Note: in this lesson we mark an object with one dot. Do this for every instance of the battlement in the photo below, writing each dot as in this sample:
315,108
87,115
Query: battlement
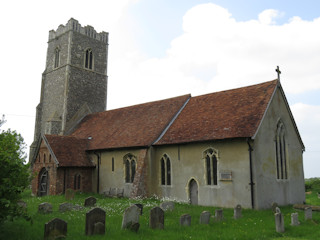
74,25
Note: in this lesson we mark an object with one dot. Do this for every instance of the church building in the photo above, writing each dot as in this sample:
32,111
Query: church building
239,146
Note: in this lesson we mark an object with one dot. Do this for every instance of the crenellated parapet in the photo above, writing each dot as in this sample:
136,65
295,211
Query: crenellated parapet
74,25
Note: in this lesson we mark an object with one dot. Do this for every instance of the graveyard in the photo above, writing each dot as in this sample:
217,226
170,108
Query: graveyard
93,216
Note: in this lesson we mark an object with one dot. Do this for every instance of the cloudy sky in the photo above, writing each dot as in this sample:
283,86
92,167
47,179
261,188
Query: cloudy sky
164,48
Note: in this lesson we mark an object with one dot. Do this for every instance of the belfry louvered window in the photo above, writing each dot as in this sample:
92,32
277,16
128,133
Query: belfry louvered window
88,63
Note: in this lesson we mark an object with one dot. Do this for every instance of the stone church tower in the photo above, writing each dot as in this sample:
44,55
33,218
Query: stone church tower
74,82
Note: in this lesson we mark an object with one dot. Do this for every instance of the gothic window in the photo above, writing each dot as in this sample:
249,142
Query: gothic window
77,181
281,158
165,170
88,59
210,157
57,58
130,167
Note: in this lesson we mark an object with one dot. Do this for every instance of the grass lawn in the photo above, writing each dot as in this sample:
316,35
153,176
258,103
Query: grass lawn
253,225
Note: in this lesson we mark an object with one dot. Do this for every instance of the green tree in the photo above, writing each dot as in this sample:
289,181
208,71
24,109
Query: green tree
14,175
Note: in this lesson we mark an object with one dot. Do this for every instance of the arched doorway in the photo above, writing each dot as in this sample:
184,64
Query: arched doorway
193,192
43,182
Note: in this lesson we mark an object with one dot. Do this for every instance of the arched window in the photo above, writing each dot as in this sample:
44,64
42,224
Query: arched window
211,165
88,63
77,181
165,170
57,58
281,158
44,157
130,167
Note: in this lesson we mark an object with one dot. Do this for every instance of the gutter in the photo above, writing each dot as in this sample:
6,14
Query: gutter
250,149
98,175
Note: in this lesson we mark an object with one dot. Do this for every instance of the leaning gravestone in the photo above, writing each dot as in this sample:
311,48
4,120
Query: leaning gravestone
140,206
130,218
45,208
237,212
55,229
156,218
205,217
308,213
69,195
90,202
294,219
95,221
63,207
219,214
167,206
279,222
185,220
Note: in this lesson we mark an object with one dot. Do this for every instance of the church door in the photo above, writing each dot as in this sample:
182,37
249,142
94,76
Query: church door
193,192
43,182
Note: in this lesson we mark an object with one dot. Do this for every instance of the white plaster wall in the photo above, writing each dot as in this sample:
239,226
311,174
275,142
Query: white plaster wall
268,188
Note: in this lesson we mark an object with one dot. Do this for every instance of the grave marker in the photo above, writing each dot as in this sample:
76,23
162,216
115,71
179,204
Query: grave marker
205,217
156,218
90,202
93,217
167,206
55,229
69,194
294,219
237,212
219,214
308,213
130,218
279,222
185,220
45,208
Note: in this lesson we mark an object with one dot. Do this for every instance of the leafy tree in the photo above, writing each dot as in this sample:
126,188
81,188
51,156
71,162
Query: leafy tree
14,175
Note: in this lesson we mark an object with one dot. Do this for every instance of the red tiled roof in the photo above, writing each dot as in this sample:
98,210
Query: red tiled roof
234,113
69,151
134,126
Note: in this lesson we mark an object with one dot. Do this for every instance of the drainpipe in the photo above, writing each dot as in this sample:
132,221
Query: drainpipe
98,175
250,149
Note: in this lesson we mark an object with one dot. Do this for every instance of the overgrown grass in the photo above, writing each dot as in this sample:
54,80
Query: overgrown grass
253,225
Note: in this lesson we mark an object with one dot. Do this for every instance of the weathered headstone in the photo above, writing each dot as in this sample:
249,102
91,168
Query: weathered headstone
156,218
45,208
22,204
185,220
93,217
277,210
274,206
205,217
295,219
63,207
308,213
130,217
279,222
55,229
140,206
69,194
219,215
237,212
167,206
90,202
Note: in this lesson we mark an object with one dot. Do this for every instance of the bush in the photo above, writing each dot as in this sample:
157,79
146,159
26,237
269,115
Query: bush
14,175
312,184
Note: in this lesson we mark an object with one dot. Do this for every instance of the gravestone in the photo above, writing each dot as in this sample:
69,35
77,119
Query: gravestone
22,204
69,194
277,210
279,222
63,207
131,217
55,229
140,206
205,217
167,206
93,217
274,206
185,220
219,214
90,202
294,219
308,213
156,218
45,208
237,212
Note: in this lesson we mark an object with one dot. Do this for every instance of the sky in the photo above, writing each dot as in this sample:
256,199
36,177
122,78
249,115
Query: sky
163,48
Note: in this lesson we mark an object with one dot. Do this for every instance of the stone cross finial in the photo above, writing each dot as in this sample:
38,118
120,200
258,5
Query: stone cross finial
279,72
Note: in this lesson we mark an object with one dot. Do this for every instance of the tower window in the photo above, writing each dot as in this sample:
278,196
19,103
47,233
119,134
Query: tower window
57,58
88,59
130,167
165,170
211,164
281,158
